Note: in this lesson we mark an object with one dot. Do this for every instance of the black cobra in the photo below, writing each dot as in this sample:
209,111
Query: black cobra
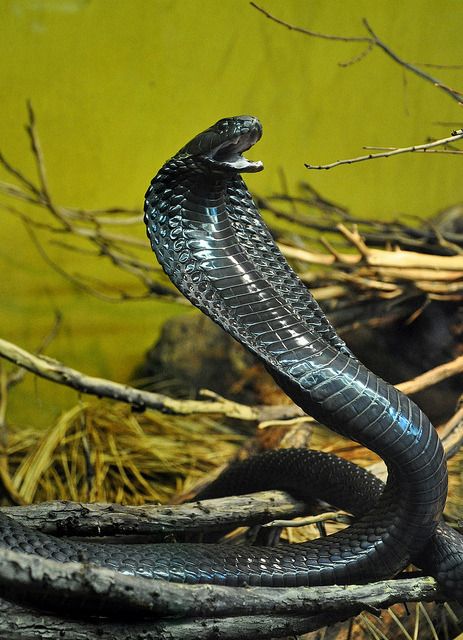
213,244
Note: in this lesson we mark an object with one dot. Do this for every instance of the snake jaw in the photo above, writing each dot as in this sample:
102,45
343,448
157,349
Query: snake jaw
219,149
228,154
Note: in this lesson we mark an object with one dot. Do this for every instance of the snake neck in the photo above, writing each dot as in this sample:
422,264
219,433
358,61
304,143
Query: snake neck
179,187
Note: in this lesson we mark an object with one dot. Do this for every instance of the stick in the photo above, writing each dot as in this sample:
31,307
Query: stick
307,32
432,377
456,95
373,40
456,135
69,584
92,519
55,371
19,623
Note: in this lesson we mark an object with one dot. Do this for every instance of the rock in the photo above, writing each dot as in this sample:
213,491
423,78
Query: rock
195,353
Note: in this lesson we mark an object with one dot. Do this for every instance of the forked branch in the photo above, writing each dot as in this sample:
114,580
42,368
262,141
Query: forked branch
372,41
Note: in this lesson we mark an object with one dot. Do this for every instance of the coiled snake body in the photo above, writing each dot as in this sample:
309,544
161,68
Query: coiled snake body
212,243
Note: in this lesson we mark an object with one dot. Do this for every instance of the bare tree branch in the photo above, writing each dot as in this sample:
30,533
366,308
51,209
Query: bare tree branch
373,40
391,273
55,371
316,212
432,377
456,95
19,623
63,585
308,32
88,234
456,135
93,519
90,226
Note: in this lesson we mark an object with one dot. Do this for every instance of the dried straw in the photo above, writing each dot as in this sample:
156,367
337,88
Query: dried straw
103,452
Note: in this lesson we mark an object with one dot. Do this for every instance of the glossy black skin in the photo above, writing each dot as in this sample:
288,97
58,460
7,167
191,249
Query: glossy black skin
211,241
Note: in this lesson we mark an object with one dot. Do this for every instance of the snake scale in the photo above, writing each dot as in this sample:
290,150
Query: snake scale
211,241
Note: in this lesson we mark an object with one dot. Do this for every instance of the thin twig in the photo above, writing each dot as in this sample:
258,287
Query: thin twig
361,56
307,32
455,95
40,164
328,516
66,275
456,135
373,40
455,152
12,190
433,65
17,375
30,186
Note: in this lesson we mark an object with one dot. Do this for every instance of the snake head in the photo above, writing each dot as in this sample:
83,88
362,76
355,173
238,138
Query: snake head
219,149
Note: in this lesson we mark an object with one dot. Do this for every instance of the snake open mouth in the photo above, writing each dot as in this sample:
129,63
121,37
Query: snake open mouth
229,153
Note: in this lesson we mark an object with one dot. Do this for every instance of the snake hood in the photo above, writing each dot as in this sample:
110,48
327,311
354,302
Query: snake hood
219,149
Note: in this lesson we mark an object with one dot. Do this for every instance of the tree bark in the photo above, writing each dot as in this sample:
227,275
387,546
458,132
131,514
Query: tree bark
83,589
19,623
92,519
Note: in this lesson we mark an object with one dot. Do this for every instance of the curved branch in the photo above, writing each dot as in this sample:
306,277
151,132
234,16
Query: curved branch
455,95
56,371
34,579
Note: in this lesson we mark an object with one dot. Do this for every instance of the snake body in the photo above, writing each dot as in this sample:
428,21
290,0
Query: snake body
212,243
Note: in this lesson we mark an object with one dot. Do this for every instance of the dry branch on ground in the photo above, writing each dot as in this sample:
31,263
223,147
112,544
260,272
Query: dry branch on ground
31,578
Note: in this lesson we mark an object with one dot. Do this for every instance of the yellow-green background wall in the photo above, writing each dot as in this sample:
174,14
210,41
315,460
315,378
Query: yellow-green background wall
120,85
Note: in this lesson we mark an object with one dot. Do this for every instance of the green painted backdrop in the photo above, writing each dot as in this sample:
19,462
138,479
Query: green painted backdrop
119,85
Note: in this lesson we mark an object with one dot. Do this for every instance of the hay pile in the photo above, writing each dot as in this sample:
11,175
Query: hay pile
103,452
